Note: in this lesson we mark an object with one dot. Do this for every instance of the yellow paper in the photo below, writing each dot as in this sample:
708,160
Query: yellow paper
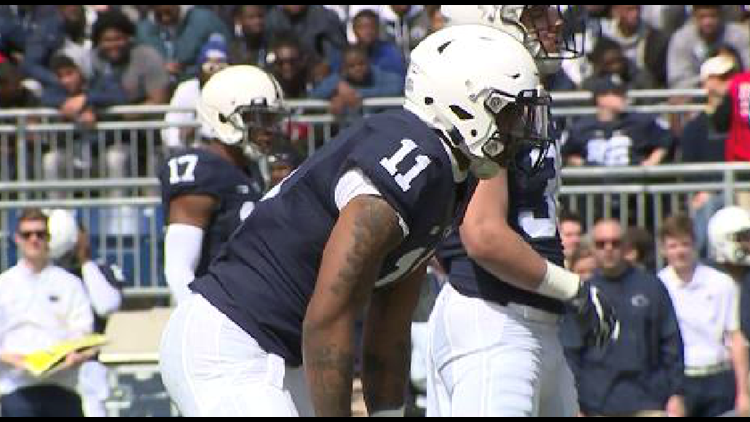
44,362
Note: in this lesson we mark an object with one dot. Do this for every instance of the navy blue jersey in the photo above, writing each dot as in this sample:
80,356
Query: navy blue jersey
264,278
532,213
628,140
202,172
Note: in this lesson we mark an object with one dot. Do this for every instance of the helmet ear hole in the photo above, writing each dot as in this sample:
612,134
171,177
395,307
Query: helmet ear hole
222,118
429,101
461,113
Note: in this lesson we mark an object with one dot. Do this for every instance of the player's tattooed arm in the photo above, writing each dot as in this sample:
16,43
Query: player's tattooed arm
366,231
387,347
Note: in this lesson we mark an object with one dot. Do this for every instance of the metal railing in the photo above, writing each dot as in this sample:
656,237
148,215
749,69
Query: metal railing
38,144
128,230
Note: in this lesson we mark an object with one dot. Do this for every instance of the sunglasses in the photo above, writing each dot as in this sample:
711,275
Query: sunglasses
41,234
602,244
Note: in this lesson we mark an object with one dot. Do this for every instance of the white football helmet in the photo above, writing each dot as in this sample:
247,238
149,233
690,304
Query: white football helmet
239,99
726,231
480,89
63,232
529,23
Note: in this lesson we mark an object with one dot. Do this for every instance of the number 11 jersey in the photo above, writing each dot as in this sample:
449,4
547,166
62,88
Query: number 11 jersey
264,278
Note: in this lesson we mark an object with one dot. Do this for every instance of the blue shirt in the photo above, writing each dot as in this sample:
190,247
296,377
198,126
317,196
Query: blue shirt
264,277
628,140
379,84
645,367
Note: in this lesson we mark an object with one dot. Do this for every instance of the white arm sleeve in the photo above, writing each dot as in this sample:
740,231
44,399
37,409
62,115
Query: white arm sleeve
105,299
355,183
182,253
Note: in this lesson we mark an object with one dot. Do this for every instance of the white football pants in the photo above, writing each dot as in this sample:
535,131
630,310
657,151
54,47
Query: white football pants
211,367
490,360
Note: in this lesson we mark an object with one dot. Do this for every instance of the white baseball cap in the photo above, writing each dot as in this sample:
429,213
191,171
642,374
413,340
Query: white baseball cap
717,66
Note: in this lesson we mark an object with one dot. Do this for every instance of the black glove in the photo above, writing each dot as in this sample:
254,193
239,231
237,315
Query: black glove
595,316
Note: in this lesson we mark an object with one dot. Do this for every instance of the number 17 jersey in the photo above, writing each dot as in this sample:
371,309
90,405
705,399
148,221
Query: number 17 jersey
264,278
201,172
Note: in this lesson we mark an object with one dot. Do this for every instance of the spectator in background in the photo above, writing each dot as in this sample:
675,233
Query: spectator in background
12,35
643,45
609,61
78,100
78,97
13,93
41,305
571,234
638,245
642,372
703,142
139,68
319,30
405,25
70,248
16,23
437,20
382,54
292,68
698,39
63,32
212,59
358,80
178,33
251,44
706,302
583,261
667,18
733,116
615,137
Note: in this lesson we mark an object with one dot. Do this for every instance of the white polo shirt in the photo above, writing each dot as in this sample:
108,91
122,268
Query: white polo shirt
36,312
707,309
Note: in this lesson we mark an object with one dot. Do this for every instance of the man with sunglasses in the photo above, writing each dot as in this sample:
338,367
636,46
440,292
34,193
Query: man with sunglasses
208,191
493,335
40,306
641,374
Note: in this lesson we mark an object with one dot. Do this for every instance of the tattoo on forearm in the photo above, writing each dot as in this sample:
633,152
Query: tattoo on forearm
385,377
330,373
376,226
329,361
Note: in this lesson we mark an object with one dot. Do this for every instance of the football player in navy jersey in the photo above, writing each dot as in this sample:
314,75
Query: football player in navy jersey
208,191
493,342
271,328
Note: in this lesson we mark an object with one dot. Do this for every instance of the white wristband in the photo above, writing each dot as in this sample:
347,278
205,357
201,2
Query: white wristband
390,413
559,283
